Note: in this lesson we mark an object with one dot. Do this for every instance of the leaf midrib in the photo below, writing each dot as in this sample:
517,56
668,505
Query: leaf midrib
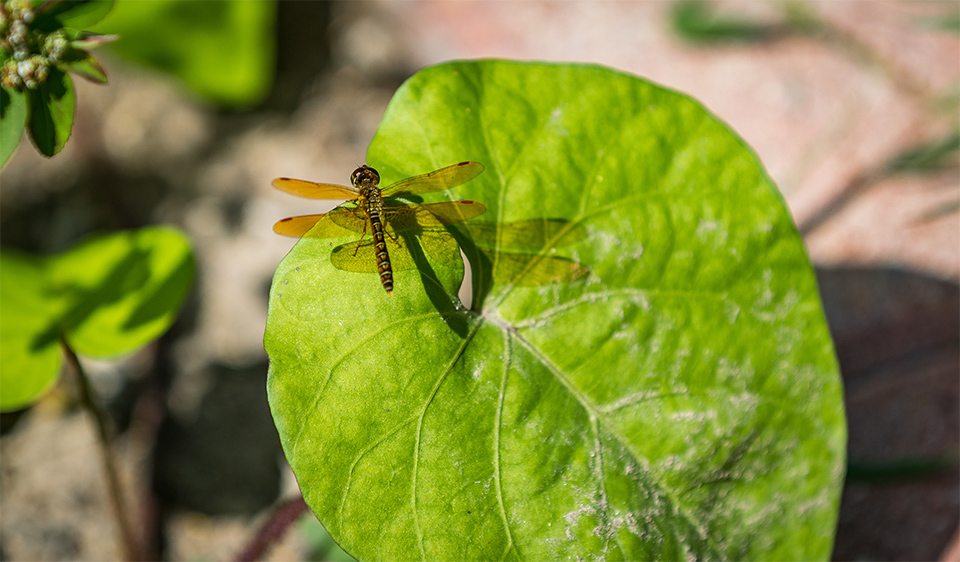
598,414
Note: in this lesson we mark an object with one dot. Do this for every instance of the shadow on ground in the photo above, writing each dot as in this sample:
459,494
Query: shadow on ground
896,334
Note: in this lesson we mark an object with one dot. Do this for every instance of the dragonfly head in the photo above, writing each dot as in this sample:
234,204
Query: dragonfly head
364,176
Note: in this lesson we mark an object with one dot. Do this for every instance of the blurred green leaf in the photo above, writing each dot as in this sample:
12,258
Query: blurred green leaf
946,22
88,40
109,296
662,407
13,118
125,288
52,106
696,20
224,50
80,14
926,157
87,67
29,354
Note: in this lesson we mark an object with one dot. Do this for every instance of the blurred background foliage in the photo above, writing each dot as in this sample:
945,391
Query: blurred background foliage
223,51
853,108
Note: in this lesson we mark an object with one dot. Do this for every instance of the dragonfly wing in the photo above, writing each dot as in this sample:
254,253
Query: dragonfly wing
351,257
335,224
430,216
450,212
362,257
351,218
405,224
404,249
437,180
426,222
296,227
312,190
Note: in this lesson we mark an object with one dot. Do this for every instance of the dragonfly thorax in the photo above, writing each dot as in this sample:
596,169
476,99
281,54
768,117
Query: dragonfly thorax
364,177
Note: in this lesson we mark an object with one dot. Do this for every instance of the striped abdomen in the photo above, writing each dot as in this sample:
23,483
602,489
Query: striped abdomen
374,211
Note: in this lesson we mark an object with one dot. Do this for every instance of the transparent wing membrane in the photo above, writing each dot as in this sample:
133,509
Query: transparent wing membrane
413,231
311,190
361,258
438,180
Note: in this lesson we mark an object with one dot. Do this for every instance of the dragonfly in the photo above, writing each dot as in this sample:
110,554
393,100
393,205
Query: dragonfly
374,209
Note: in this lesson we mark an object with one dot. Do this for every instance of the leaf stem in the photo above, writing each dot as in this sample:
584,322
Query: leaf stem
273,529
105,434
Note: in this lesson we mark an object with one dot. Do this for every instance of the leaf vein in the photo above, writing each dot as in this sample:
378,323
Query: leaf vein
423,412
360,344
366,450
636,296
593,410
496,445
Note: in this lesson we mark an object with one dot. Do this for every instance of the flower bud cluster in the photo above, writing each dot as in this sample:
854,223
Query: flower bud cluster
29,54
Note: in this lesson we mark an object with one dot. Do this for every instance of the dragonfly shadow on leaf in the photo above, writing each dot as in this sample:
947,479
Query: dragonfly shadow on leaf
409,248
519,253
398,232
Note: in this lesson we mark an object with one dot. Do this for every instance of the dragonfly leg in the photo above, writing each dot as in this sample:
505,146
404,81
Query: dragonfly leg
394,238
359,242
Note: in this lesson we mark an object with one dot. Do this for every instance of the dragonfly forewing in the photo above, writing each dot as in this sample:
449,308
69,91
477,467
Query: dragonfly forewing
318,226
437,180
429,216
313,190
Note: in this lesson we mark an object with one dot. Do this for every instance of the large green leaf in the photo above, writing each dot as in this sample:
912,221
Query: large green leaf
221,50
679,399
13,118
108,296
52,105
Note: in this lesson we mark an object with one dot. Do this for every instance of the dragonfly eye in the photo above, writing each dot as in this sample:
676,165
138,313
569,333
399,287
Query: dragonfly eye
364,176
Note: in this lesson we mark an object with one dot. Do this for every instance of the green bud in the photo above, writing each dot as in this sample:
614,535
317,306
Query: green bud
55,45
26,68
42,72
9,75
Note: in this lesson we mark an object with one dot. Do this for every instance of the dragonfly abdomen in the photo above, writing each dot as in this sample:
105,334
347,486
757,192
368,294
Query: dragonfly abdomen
374,211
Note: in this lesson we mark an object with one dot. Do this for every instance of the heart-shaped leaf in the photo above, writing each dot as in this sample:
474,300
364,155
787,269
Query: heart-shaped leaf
678,398
106,297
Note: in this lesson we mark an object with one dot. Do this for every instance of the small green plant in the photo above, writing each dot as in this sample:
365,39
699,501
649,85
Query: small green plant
113,293
221,50
105,298
670,400
39,44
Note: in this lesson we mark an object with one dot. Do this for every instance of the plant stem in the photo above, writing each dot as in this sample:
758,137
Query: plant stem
106,453
273,529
